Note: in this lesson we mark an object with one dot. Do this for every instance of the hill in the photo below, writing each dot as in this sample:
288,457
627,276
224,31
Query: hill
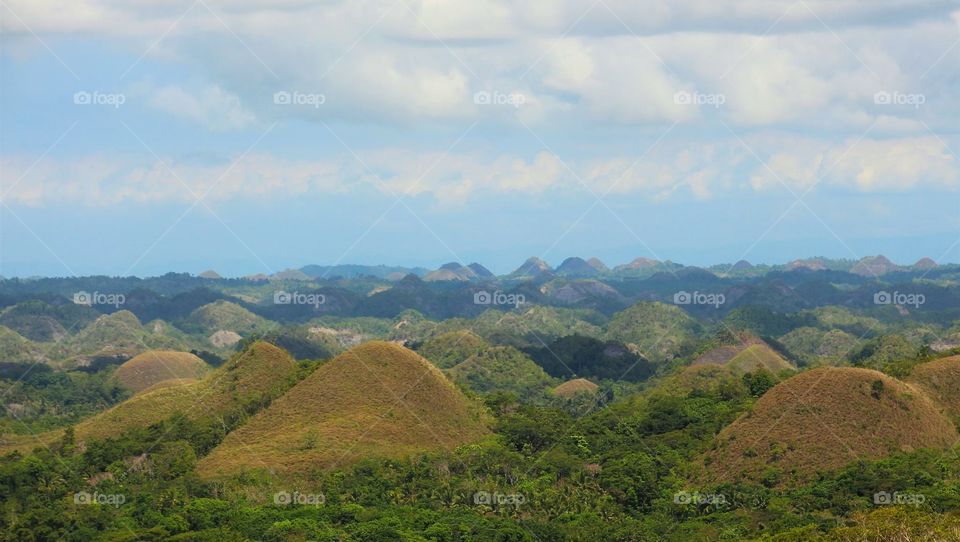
574,387
658,330
532,268
224,316
146,369
501,368
375,400
114,337
451,348
815,346
15,348
823,419
576,267
243,384
748,354
41,321
941,380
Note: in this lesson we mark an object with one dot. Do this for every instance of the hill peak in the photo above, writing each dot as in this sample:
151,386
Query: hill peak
377,399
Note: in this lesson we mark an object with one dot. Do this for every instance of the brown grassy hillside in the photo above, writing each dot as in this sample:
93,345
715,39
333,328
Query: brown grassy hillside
252,378
824,419
573,387
941,380
748,355
376,400
146,369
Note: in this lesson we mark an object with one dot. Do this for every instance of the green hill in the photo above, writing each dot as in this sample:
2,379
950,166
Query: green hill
375,400
118,336
451,348
249,380
501,368
659,331
223,315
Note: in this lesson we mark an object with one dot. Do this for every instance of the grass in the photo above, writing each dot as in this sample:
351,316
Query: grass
259,373
941,380
573,387
823,419
146,369
376,400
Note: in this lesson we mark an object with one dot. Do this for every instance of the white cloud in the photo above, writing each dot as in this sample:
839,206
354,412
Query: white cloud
673,170
211,107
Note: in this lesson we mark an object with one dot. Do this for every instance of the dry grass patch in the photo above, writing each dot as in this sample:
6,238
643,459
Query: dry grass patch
378,399
823,419
146,369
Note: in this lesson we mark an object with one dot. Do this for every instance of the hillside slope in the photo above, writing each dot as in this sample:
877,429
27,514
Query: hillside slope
375,400
822,420
249,380
144,370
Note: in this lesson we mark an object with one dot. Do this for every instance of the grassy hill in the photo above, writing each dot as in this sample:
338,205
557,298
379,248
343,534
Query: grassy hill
378,399
41,321
118,336
823,419
814,346
574,387
658,330
15,348
146,369
251,379
451,348
501,368
759,356
941,380
224,316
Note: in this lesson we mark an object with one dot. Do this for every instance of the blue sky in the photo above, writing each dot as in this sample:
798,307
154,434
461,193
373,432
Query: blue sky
423,132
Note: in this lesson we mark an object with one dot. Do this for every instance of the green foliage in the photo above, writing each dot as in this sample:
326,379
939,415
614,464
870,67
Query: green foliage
587,357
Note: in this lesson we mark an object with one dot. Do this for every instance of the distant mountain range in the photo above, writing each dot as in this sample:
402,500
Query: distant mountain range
575,267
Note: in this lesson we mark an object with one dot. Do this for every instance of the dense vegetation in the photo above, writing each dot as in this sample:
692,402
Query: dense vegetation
659,389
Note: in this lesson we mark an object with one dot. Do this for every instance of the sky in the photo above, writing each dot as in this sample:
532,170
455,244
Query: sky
252,136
